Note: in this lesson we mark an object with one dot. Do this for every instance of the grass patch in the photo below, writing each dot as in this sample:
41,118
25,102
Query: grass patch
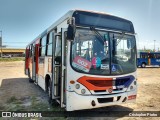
12,59
12,99
2,107
14,104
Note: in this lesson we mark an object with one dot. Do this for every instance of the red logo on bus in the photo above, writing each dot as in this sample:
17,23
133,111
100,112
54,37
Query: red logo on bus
81,64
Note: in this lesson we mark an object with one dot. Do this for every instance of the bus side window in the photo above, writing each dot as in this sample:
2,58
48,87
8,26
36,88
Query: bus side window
58,47
43,46
158,56
49,44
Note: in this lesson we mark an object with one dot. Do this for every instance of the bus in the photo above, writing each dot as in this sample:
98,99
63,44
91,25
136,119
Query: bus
148,58
85,60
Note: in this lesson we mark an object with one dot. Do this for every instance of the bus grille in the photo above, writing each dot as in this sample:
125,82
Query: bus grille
100,83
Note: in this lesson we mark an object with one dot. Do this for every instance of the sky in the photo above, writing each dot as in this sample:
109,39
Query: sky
23,20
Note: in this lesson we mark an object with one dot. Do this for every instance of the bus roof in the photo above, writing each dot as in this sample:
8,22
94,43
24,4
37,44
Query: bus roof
68,15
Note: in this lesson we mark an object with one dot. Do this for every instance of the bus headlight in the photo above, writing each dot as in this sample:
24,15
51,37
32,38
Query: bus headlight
83,91
77,86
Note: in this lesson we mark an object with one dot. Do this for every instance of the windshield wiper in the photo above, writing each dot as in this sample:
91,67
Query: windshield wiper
97,34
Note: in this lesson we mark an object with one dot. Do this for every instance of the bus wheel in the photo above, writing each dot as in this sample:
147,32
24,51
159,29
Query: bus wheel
143,65
51,101
29,75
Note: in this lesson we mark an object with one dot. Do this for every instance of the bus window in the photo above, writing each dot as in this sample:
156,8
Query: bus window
43,46
49,44
150,55
158,56
144,55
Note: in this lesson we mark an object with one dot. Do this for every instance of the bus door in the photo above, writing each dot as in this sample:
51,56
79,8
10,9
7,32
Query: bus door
155,60
63,66
149,59
34,62
58,69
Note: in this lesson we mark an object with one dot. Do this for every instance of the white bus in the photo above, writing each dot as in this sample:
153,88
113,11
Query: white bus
85,60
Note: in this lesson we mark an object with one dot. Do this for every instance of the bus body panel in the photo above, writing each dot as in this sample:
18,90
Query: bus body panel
70,97
79,102
149,58
74,95
43,71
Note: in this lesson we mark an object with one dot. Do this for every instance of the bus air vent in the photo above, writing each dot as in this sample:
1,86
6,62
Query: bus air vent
105,100
99,91
100,83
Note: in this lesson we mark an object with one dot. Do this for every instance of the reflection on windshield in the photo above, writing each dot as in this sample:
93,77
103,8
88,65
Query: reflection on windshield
123,54
91,54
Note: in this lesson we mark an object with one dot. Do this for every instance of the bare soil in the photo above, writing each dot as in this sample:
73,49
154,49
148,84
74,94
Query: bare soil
16,90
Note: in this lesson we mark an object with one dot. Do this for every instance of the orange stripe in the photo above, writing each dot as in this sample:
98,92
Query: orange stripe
91,86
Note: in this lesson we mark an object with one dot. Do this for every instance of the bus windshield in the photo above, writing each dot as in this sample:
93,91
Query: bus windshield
103,53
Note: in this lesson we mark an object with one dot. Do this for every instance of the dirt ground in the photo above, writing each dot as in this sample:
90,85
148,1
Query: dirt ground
16,91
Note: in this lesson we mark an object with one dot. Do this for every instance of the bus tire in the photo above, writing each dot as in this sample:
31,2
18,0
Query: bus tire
51,101
143,65
29,75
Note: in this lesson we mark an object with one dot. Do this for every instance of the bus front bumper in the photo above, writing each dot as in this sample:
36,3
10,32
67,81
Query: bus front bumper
79,102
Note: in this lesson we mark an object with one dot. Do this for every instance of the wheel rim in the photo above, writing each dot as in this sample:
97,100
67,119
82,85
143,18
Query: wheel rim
143,65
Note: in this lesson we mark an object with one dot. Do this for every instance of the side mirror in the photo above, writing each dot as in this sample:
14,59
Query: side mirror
71,32
71,28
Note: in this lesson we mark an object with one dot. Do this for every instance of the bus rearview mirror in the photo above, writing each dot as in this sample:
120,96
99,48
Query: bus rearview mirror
71,32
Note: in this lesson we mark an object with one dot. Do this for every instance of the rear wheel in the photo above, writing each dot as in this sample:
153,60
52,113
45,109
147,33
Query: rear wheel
143,65
29,75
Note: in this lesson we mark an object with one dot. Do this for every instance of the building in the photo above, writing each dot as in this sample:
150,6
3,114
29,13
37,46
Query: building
15,52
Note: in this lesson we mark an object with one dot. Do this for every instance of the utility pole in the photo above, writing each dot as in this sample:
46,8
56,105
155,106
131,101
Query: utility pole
154,45
1,43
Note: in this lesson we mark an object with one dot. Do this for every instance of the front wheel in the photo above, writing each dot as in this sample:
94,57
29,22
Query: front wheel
49,91
143,65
